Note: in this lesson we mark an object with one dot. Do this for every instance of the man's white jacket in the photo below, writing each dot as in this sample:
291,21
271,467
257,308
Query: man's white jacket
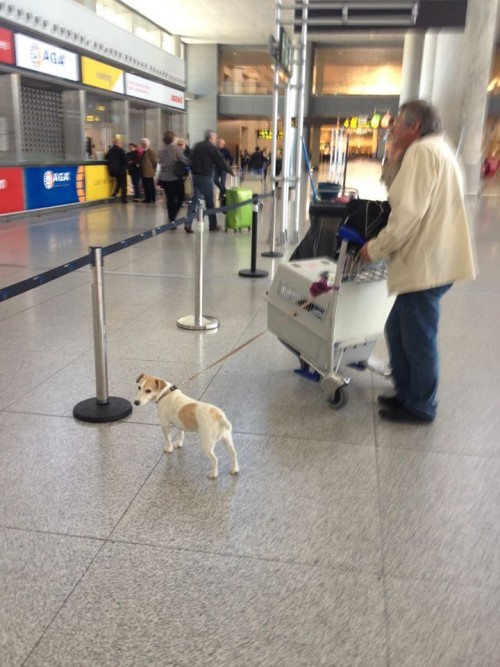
427,240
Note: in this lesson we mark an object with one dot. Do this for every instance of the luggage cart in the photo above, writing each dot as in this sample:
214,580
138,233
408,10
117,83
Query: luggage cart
338,328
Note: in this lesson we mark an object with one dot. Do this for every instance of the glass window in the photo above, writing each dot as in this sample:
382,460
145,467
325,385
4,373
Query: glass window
245,71
104,119
357,71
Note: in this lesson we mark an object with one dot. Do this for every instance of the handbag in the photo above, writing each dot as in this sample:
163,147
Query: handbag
179,169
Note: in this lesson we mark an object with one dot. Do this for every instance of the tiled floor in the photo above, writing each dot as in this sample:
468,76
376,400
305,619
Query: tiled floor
343,541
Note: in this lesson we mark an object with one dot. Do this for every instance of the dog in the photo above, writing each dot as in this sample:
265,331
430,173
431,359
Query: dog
185,414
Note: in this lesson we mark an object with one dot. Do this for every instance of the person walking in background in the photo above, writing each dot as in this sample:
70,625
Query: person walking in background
428,247
204,158
134,170
256,161
169,180
117,168
220,175
148,164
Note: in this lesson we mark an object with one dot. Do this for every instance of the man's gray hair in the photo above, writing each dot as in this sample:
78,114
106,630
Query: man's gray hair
423,112
208,134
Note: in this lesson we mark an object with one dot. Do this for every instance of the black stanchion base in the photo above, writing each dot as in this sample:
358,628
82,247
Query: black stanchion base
248,273
92,411
271,254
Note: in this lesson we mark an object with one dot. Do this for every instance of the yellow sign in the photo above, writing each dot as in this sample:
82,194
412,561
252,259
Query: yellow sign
98,183
101,75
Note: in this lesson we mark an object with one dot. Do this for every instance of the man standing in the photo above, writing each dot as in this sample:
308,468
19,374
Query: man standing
117,168
204,158
428,247
148,163
220,175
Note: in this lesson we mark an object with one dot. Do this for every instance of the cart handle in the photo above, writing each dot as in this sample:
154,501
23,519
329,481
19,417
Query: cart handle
351,235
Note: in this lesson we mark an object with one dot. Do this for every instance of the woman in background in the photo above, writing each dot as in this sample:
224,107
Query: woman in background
171,183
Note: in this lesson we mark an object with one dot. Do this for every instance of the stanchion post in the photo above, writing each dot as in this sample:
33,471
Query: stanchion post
102,408
253,272
273,252
198,321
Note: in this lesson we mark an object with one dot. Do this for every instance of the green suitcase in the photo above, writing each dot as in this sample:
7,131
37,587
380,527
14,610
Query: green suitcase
239,218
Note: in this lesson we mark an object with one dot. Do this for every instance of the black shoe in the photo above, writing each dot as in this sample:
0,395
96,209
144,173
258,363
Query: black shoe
188,230
389,401
401,415
217,228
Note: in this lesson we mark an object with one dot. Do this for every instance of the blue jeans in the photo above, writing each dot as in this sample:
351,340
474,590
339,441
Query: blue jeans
411,334
203,186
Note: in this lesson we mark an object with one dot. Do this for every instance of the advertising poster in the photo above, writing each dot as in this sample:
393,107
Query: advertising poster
6,46
46,58
11,190
137,86
54,186
98,183
102,76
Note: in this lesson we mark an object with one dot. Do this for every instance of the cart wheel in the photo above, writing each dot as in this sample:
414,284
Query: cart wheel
339,398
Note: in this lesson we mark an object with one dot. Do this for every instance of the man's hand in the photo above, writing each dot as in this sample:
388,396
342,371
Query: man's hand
363,253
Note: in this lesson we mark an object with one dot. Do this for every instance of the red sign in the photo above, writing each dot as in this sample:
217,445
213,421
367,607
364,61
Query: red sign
6,47
11,190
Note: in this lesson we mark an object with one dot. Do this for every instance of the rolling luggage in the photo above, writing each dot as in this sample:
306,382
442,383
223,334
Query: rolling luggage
239,218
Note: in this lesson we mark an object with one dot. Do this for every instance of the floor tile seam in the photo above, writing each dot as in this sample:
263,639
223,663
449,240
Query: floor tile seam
342,443
139,490
416,450
382,549
344,569
62,605
441,582
54,533
46,379
44,300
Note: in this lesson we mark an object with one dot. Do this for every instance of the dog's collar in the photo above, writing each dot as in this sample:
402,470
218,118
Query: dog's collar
167,391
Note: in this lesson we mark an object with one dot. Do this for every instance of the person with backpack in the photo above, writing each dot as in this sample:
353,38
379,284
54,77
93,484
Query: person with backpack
117,168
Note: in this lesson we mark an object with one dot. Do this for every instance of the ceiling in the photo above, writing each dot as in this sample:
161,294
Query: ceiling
246,22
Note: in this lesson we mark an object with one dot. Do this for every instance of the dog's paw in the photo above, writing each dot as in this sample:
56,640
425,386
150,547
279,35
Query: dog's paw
168,449
178,445
235,470
212,475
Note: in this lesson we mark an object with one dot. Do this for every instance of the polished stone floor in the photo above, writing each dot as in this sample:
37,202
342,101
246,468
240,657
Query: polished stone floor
343,541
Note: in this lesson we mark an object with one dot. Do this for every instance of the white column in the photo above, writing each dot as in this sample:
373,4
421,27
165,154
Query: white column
428,64
448,83
412,64
479,48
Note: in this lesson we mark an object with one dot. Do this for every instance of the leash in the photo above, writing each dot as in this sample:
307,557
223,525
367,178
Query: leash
293,313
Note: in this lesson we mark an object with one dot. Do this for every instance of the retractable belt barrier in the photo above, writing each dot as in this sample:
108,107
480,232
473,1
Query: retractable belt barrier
104,408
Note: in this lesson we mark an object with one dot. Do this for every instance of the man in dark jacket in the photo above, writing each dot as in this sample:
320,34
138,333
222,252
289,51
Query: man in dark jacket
220,175
204,159
117,168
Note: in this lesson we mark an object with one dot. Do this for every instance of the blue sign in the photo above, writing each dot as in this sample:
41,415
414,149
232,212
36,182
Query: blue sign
50,186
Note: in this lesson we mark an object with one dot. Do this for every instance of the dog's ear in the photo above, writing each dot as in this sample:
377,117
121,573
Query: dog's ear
160,384
140,378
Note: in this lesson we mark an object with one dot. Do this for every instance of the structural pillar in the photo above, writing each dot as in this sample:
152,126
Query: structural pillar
479,49
412,64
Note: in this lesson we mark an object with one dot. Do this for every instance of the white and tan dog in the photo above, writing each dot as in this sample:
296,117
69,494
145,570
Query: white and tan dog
186,414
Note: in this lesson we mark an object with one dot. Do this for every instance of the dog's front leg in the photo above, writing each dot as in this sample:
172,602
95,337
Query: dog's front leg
168,439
